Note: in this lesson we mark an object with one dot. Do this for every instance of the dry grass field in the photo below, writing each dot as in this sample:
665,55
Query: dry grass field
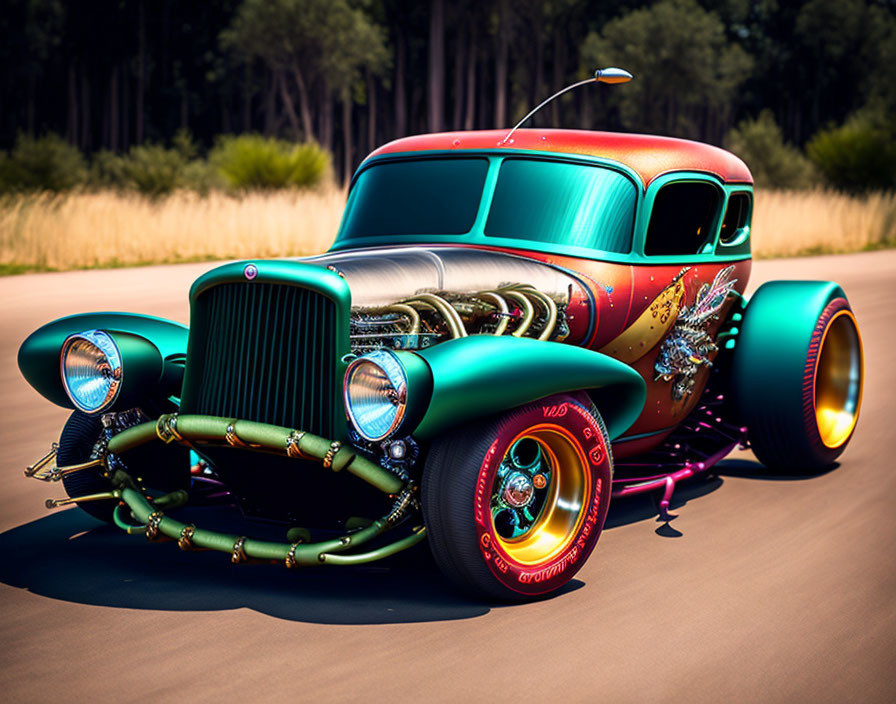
107,229
791,223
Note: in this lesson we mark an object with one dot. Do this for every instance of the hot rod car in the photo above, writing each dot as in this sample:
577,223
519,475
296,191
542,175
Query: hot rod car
505,334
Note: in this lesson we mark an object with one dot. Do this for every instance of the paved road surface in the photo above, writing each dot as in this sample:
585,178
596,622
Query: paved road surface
772,589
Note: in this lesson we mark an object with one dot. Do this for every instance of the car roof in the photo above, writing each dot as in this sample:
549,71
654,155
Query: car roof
649,156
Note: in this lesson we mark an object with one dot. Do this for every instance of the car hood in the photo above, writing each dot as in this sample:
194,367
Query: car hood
380,276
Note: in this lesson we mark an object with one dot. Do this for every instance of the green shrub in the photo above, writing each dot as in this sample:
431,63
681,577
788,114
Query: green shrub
253,161
200,176
155,170
7,175
860,155
46,163
108,170
773,162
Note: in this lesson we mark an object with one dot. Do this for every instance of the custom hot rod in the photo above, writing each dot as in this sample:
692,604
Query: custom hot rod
506,333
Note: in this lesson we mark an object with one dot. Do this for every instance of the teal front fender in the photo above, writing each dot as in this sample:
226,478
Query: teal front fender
39,353
481,375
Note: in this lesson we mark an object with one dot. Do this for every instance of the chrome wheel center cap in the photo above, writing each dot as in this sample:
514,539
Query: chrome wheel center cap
518,490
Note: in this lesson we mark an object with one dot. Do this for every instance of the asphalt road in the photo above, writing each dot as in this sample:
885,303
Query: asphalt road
765,588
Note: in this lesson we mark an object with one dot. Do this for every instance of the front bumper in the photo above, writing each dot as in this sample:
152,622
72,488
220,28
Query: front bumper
184,429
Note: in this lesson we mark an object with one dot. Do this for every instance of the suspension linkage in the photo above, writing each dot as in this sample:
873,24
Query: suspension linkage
45,468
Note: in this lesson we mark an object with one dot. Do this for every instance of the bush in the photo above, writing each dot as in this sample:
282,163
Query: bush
200,176
42,164
108,170
858,156
155,170
774,163
256,162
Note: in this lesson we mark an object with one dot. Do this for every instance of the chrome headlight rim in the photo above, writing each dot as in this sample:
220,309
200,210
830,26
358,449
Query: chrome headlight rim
388,363
103,343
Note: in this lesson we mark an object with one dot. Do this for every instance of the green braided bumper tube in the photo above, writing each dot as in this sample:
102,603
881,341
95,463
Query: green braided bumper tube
271,437
241,433
310,554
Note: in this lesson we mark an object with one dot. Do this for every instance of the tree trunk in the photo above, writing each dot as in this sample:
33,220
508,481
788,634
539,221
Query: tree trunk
113,110
304,104
537,90
126,112
587,119
85,111
401,101
141,70
436,82
185,109
104,124
371,112
482,104
270,104
226,124
30,105
247,100
471,81
290,108
501,68
559,71
326,118
71,128
347,136
459,56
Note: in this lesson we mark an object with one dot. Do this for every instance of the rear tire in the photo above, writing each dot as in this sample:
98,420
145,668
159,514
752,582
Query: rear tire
515,504
797,375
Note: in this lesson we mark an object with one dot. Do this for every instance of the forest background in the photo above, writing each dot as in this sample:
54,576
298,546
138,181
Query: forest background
116,102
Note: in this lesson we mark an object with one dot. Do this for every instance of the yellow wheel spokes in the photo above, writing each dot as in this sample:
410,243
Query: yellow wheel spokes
839,372
556,525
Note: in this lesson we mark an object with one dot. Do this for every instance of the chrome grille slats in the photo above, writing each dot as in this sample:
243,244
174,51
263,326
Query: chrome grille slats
264,352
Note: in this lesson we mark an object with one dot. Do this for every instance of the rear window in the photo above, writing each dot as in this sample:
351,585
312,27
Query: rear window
563,203
735,217
435,196
683,219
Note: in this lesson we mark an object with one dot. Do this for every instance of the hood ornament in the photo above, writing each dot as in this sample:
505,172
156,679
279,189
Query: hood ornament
250,271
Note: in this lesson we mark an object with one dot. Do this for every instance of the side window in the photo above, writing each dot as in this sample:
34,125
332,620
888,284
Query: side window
683,219
736,219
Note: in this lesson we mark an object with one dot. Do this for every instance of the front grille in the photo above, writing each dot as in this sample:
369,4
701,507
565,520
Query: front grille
264,352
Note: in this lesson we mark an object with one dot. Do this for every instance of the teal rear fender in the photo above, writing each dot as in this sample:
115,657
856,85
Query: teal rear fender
770,349
39,353
481,375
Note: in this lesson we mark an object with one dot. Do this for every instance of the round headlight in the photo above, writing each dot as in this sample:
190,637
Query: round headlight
91,370
376,388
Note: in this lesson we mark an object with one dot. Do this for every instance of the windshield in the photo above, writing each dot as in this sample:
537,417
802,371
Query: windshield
433,197
563,203
534,200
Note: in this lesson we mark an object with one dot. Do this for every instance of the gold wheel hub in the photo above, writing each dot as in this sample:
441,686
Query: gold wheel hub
838,380
539,494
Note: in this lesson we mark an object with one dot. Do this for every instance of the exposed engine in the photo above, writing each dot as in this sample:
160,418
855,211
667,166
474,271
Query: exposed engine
411,298
427,318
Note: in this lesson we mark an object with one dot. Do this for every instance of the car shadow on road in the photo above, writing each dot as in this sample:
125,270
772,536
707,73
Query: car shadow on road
645,507
750,469
72,557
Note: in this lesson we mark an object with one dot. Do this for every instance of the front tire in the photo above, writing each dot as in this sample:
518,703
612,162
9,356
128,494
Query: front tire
79,436
515,504
160,467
